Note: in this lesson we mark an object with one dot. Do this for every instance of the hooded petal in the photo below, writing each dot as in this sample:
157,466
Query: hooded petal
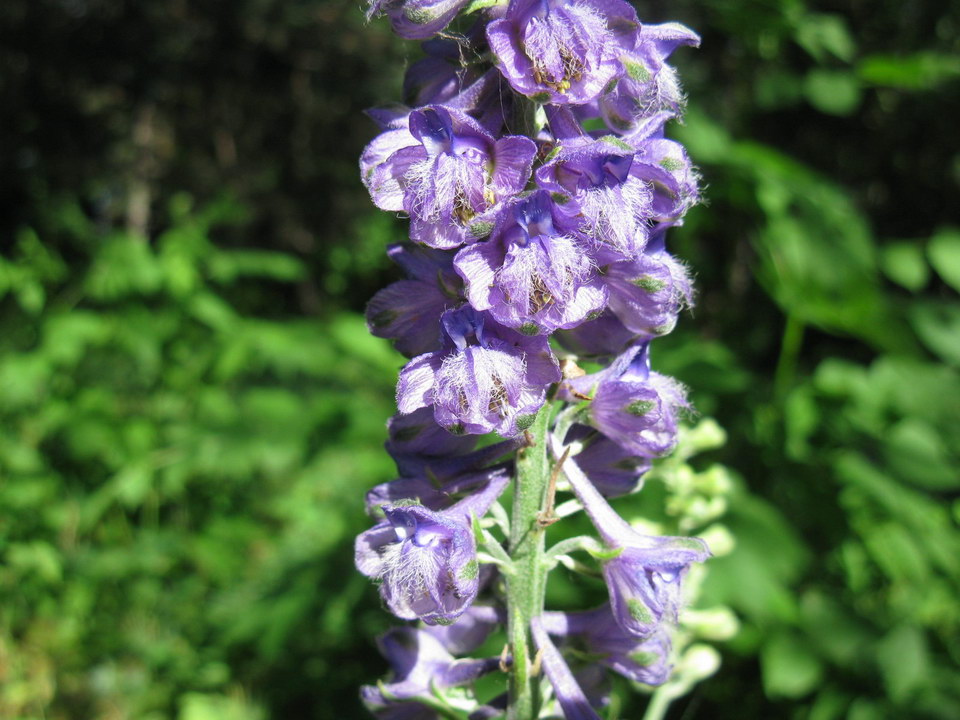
415,386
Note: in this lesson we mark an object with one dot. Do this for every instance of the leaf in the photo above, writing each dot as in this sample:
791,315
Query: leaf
920,71
904,661
944,254
821,34
903,262
916,451
790,668
835,92
937,324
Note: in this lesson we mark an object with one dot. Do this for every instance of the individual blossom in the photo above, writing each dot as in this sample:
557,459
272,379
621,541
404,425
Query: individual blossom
426,560
531,275
415,439
421,666
422,449
429,490
596,635
643,573
647,294
665,166
447,176
441,76
408,311
594,183
562,51
417,19
633,406
485,378
648,84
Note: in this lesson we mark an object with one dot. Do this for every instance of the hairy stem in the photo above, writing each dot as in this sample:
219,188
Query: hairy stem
525,588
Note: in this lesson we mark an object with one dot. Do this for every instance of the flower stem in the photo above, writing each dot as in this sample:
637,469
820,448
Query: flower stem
525,588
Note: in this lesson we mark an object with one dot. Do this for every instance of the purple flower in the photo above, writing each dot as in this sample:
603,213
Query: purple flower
414,440
562,51
648,84
569,695
648,293
485,378
409,311
530,275
447,176
422,449
420,665
430,491
612,205
644,577
664,164
426,561
631,405
597,634
417,19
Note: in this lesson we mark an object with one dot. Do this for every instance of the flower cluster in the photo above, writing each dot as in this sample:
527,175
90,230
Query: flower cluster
532,163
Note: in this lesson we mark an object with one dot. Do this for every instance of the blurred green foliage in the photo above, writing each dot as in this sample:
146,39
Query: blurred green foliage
173,472
191,408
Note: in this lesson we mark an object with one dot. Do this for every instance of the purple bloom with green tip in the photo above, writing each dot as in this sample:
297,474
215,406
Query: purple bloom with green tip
417,19
648,293
485,378
597,634
531,275
425,560
562,51
420,665
643,573
664,165
633,406
648,84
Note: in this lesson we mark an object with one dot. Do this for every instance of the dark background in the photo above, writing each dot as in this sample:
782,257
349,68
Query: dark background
191,408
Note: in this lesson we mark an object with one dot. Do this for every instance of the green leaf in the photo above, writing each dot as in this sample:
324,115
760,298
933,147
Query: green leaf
920,71
903,262
790,668
916,451
821,34
937,324
944,254
904,661
835,92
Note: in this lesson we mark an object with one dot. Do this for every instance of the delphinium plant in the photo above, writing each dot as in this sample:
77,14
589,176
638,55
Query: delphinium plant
531,160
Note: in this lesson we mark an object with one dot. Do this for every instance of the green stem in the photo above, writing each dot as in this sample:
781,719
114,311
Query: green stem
658,705
525,588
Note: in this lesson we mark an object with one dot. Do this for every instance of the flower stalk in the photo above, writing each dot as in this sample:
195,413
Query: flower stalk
526,587
536,241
